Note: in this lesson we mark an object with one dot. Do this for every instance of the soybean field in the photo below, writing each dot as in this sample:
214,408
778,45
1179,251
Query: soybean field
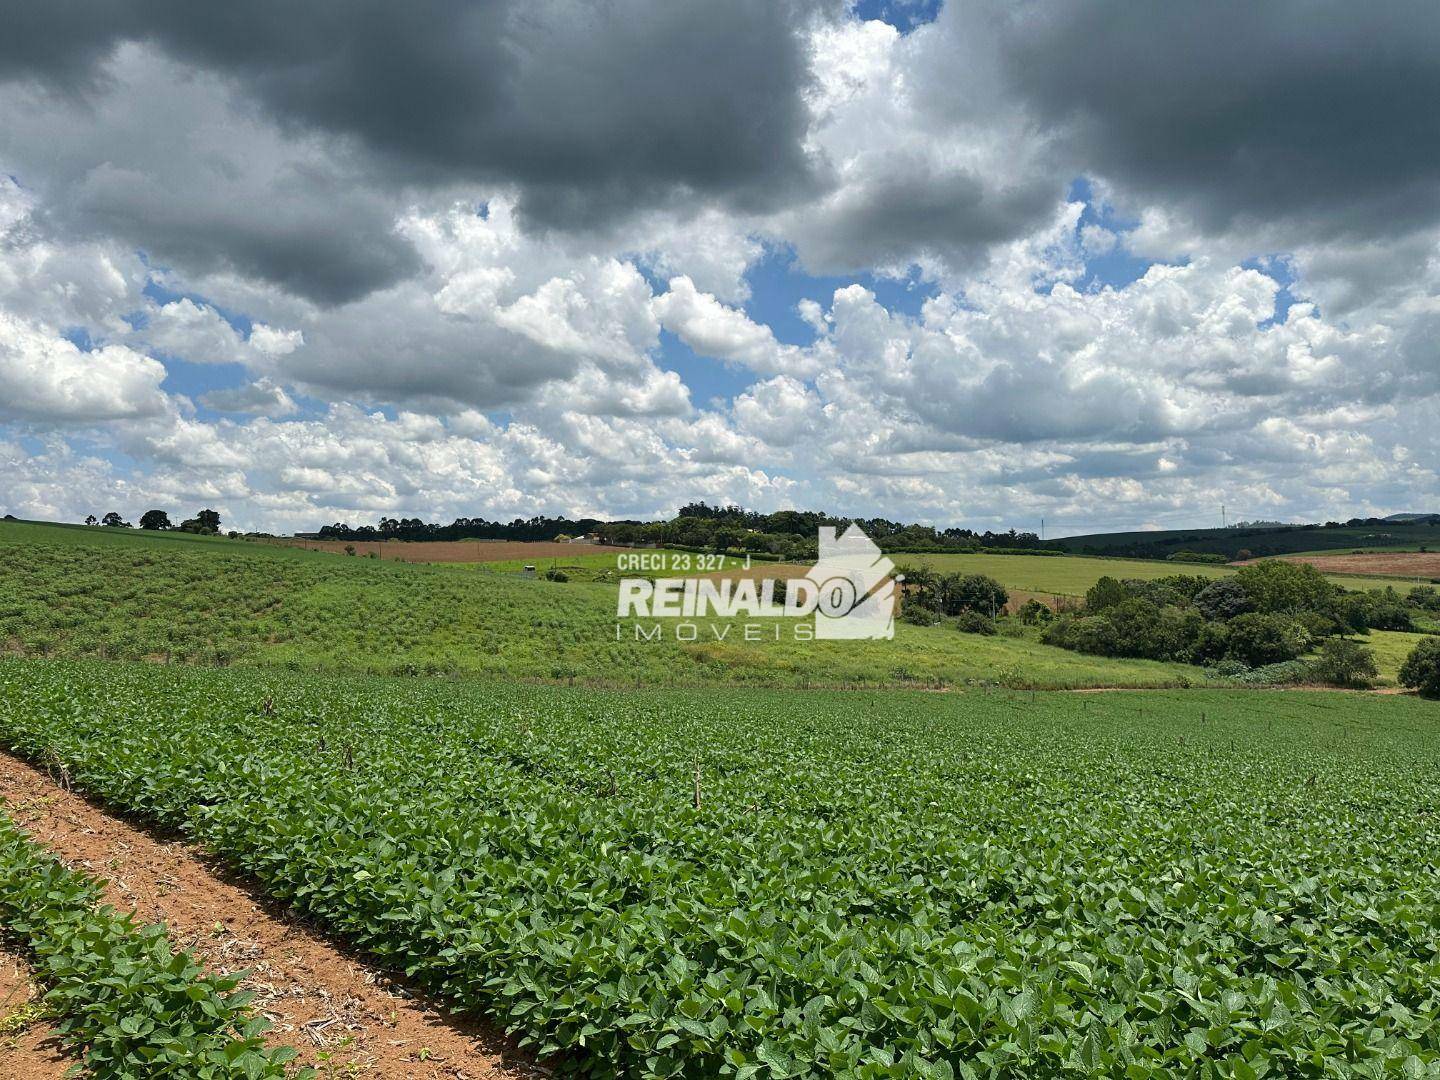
770,883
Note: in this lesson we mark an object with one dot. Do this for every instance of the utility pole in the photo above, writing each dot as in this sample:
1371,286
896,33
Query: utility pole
1042,530
1222,516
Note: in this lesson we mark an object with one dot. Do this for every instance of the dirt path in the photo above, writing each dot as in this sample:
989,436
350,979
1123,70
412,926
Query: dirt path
343,1018
28,1050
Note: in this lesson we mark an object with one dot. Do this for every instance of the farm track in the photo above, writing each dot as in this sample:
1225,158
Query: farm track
341,1016
31,1052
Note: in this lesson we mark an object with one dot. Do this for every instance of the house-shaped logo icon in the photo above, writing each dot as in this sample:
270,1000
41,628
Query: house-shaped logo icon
856,592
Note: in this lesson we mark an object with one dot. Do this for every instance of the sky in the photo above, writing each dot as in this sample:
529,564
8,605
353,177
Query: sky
1107,265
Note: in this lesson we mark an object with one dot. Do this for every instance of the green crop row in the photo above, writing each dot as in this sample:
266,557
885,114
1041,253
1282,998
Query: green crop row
762,884
125,1002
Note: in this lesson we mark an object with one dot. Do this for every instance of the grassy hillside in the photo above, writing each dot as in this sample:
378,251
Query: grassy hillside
114,594
1259,542
769,884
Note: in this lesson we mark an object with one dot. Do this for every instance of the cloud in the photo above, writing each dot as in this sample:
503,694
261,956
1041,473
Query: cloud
47,378
591,111
1315,116
712,329
459,232
259,398
174,161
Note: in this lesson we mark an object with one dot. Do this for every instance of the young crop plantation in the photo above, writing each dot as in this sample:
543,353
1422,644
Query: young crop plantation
765,883
220,603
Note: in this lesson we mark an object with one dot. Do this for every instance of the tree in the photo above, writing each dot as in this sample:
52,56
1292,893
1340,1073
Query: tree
1421,670
114,521
1278,586
155,519
1107,592
90,520
1261,638
1345,663
208,519
1223,599
973,592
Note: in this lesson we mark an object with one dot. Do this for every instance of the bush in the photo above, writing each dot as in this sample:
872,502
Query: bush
1285,673
1318,626
556,574
1033,612
1421,670
1345,663
1259,639
1211,644
1424,597
918,614
975,622
1228,669
1196,557
1092,634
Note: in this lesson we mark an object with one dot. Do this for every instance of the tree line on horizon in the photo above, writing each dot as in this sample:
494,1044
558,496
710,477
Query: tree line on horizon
204,523
784,533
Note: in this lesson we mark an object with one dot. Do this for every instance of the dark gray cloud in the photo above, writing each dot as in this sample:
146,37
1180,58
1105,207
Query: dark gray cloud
1315,111
914,208
593,110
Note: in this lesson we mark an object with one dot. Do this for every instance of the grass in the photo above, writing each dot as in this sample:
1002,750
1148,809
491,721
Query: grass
228,602
1059,575
1072,575
1391,649
605,567
765,883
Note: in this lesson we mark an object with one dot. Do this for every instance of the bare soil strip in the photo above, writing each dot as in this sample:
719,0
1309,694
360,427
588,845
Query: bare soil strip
28,1047
1407,564
342,1017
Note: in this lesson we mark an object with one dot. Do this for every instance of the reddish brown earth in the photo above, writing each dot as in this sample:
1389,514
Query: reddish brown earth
28,1049
342,1016
1415,564
458,551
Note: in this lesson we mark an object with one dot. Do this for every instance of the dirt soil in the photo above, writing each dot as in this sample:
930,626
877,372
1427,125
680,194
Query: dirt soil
1412,564
459,551
28,1047
343,1017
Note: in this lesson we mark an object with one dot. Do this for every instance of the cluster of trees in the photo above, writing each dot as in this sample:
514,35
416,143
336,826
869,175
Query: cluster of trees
534,528
788,534
1267,613
792,534
206,522
1257,539
973,601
